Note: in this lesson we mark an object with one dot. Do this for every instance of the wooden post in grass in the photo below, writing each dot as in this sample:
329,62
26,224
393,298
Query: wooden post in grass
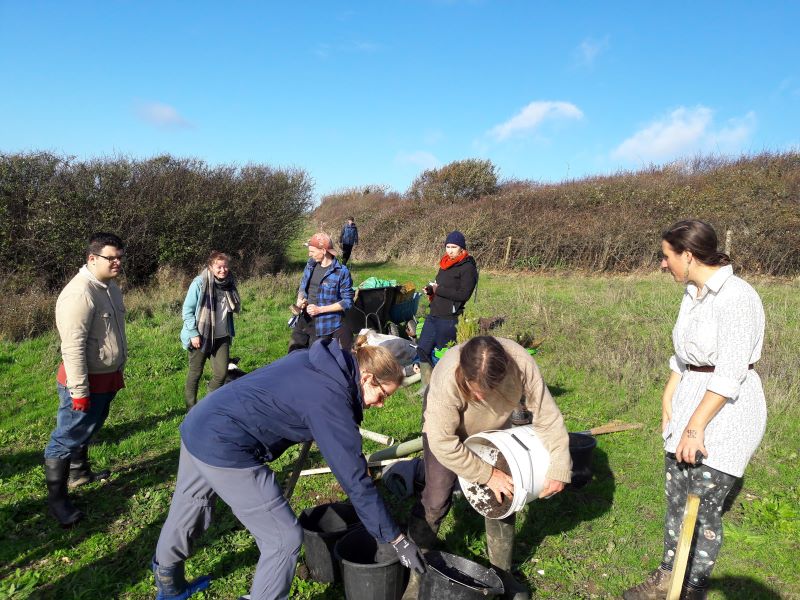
728,236
508,251
684,544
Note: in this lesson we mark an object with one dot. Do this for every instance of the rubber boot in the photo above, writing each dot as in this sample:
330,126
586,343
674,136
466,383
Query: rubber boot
172,585
500,547
80,470
425,370
653,588
56,471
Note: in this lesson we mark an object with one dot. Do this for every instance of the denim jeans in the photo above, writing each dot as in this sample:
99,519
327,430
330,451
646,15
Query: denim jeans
73,427
437,332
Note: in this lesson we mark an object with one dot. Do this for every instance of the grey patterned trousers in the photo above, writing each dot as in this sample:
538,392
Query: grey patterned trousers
713,487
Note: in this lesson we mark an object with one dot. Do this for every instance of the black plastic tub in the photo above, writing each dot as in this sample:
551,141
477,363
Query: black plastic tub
581,447
323,526
451,577
370,571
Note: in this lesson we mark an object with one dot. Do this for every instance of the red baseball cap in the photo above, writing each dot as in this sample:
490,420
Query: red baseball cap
323,242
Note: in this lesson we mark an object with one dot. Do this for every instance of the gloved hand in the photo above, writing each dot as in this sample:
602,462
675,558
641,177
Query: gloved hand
81,404
410,556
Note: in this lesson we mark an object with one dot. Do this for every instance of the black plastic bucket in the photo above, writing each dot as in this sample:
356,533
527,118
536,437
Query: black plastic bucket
365,575
323,525
581,446
450,577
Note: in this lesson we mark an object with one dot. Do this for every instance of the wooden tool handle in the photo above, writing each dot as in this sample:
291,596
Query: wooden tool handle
612,427
684,543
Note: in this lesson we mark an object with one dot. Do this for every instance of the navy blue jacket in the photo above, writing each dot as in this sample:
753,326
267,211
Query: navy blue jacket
349,235
308,395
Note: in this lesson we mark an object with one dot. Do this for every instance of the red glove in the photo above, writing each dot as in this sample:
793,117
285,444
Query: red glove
81,404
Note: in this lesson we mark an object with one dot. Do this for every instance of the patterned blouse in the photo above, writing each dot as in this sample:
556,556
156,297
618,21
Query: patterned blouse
723,327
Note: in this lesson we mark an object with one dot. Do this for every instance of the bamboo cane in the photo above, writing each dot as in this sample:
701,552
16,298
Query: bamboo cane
376,437
374,463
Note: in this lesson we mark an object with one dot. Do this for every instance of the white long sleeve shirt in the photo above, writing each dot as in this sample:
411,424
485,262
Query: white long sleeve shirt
723,327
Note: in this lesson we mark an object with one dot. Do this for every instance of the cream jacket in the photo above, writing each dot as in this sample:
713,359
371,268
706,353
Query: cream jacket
449,420
90,318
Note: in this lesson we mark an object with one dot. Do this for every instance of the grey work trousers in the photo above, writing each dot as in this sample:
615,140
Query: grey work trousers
257,501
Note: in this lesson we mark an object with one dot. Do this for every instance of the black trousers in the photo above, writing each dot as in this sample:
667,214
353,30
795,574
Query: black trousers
304,334
346,250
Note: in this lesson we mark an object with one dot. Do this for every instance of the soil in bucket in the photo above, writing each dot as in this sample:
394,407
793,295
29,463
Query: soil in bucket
451,577
323,525
483,498
370,571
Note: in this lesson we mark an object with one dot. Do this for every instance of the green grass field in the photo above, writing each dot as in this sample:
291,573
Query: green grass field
607,341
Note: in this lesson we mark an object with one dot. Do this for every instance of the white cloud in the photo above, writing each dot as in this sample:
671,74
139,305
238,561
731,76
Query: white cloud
685,131
589,49
161,115
420,158
530,117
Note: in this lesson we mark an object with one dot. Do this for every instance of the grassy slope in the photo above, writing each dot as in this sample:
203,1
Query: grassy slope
607,341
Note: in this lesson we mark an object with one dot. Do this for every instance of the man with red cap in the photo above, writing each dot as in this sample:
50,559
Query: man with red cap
325,293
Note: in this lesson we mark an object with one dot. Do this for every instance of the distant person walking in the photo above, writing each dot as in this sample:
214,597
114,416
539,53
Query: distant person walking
448,295
208,329
348,238
713,406
90,317
325,293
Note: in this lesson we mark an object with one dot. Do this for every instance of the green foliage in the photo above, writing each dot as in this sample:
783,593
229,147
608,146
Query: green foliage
467,179
600,224
169,211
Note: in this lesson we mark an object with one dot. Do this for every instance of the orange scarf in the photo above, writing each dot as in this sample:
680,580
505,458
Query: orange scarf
446,262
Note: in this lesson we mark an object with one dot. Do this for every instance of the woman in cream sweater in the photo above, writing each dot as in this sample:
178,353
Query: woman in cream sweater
475,387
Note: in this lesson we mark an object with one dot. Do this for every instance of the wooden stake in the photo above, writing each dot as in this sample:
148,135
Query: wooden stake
612,427
684,544
508,251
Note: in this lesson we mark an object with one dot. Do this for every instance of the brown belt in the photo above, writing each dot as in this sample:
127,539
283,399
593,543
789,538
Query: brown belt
706,368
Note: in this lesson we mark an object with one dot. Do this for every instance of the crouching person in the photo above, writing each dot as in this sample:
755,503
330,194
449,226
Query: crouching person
314,394
90,317
475,387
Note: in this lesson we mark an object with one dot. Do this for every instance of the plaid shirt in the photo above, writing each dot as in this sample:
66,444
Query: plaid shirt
336,286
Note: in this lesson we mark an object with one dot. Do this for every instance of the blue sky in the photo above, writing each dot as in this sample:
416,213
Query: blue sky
361,93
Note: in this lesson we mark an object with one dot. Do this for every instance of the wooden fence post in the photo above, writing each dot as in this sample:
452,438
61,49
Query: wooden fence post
728,236
508,251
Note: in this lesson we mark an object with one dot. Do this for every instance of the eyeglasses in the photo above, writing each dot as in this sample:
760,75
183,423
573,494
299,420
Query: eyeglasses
384,393
119,258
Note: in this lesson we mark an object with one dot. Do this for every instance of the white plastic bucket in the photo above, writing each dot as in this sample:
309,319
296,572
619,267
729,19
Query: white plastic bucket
527,459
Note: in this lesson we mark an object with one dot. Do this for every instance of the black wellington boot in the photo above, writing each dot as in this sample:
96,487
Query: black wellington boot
500,547
56,471
80,470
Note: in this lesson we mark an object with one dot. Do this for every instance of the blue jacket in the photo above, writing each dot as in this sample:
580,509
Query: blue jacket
349,235
336,286
191,310
307,395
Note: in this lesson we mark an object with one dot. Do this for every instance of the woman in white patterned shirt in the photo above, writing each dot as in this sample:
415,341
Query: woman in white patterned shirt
714,412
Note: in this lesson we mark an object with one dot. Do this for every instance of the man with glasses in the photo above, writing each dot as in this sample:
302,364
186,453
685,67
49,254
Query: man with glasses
90,318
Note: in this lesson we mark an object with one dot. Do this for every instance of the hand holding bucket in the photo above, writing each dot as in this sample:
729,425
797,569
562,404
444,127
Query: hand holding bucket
527,460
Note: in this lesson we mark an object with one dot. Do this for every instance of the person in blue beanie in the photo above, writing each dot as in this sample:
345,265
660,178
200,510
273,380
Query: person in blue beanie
448,295
314,394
